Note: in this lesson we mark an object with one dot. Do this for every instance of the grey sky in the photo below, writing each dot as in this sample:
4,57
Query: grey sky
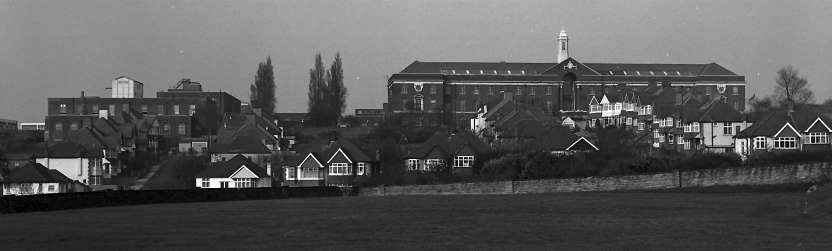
59,48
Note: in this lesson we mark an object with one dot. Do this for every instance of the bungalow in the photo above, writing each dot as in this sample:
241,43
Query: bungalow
560,140
74,161
34,178
305,170
799,130
458,151
238,172
347,164
244,145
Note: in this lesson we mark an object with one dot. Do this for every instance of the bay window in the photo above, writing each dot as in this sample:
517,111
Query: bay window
412,164
760,143
243,182
815,138
463,161
340,169
785,143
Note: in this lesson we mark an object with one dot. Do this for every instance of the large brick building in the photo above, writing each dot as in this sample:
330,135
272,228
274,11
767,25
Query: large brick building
185,111
450,93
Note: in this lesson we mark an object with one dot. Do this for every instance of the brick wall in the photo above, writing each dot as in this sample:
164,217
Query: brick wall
766,175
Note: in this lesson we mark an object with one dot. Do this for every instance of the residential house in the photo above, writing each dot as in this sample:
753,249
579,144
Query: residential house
458,151
712,127
15,160
799,130
304,170
244,145
620,110
34,178
348,164
238,172
559,140
74,161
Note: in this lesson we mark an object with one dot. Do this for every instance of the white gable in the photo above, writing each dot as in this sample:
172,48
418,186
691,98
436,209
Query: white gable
313,158
821,122
789,125
244,172
604,100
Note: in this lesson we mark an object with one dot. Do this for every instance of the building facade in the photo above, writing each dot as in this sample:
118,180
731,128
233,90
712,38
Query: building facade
449,93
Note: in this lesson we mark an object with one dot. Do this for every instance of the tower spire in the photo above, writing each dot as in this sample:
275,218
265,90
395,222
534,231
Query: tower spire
563,45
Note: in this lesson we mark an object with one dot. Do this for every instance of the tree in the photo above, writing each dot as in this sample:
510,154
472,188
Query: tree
336,91
317,92
263,89
760,107
792,89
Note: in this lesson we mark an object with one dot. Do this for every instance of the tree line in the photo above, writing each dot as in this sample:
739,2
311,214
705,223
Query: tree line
327,93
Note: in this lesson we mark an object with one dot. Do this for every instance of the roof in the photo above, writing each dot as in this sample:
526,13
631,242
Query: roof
718,111
351,150
474,68
800,119
557,138
452,144
243,144
66,149
227,168
36,173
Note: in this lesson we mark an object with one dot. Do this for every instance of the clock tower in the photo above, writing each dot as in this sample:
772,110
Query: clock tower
563,46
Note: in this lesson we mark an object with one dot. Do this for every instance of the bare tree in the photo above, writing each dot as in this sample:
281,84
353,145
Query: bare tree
792,89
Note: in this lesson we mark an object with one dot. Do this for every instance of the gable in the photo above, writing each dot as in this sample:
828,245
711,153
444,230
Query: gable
605,100
582,144
593,101
310,162
787,131
339,157
570,65
244,172
818,126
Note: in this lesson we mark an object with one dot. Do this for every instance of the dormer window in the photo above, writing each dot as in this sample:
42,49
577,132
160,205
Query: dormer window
482,72
523,72
453,71
509,72
468,72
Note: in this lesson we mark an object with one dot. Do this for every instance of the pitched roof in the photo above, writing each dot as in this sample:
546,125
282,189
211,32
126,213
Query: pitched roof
536,69
242,144
36,173
556,138
719,111
800,119
452,144
473,68
351,150
66,149
227,168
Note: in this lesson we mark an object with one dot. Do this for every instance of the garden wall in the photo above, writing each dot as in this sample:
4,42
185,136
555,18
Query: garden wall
766,175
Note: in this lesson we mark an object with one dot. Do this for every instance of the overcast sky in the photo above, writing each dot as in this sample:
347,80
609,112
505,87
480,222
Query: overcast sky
60,48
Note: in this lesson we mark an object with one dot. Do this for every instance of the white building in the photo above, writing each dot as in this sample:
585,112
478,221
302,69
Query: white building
34,178
238,172
124,87
75,162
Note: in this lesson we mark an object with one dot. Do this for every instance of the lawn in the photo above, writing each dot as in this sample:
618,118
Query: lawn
618,220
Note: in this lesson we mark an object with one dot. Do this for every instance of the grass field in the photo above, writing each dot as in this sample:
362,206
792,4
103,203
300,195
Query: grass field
618,220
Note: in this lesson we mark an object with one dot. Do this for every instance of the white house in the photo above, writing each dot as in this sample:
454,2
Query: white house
34,178
74,161
238,172
304,171
782,131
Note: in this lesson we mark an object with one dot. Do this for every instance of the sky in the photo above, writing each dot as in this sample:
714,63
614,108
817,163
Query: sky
61,48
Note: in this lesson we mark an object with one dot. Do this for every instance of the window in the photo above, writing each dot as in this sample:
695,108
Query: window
206,182
433,90
310,173
404,89
50,188
669,121
175,109
519,91
340,169
243,182
707,90
463,161
166,129
144,108
360,168
223,184
461,105
680,139
432,164
727,128
62,108
181,129
695,127
548,106
476,91
549,90
418,103
412,164
291,173
73,127
735,90
815,138
785,143
490,90
531,91
191,110
111,110
95,180
687,144
461,90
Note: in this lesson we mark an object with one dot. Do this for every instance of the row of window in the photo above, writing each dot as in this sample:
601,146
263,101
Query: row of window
433,89
334,169
165,129
462,90
160,109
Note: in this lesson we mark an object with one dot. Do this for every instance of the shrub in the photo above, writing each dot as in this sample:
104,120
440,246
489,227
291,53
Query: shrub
776,158
710,160
507,167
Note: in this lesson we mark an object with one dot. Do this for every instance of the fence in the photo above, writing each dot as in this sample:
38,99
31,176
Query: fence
768,175
45,202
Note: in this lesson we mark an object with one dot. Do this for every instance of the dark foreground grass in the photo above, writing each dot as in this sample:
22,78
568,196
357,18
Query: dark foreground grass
620,220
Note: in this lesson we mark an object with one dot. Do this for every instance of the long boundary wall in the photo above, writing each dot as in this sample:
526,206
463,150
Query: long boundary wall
766,175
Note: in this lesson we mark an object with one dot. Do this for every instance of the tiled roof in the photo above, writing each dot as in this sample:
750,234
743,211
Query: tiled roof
448,143
718,111
351,150
241,144
36,173
474,68
660,69
801,119
557,138
537,69
65,149
227,168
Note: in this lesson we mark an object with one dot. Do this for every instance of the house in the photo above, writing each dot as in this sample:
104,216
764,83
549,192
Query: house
304,170
15,160
799,130
712,127
244,145
74,161
238,172
458,151
34,178
348,165
561,140
610,110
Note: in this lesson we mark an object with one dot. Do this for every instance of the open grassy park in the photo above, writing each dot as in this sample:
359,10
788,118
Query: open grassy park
621,220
